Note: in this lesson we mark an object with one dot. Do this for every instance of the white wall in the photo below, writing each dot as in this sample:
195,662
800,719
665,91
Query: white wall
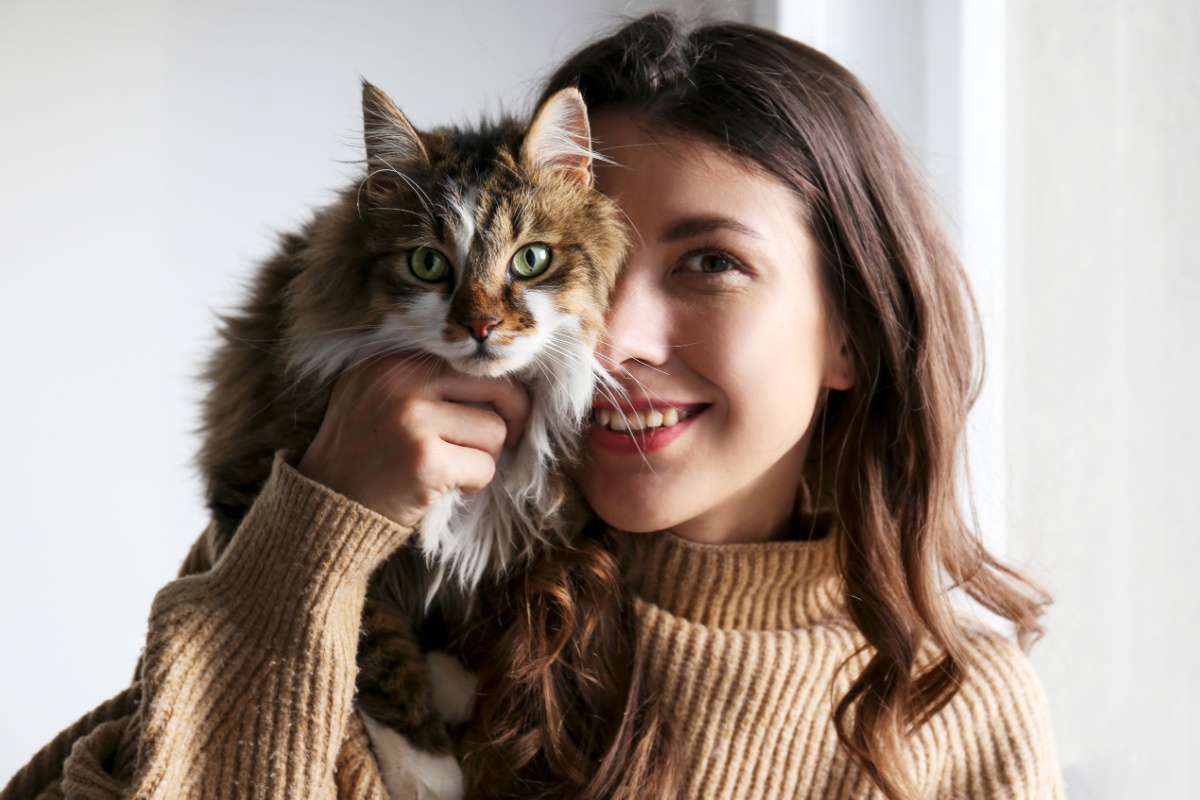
148,152
1103,353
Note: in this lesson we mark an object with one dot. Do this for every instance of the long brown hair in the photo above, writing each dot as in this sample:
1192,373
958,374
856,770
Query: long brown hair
885,457
561,710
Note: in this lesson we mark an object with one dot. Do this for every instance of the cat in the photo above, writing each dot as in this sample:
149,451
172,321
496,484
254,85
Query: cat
490,249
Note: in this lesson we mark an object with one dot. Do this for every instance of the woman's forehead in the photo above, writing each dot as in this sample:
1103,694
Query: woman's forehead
659,173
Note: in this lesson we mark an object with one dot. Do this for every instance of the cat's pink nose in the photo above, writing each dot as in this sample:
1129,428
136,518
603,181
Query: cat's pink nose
479,327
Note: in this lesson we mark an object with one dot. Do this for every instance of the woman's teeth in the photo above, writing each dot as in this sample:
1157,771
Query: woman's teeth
616,420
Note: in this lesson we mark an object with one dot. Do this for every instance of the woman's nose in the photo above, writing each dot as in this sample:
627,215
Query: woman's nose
637,318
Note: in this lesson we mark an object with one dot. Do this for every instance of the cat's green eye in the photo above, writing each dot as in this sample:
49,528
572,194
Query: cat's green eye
429,264
532,260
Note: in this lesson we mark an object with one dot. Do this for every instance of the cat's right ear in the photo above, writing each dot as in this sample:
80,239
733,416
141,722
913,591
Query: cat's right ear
560,138
391,141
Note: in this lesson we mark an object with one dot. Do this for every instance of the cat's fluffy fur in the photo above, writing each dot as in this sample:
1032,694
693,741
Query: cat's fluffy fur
342,290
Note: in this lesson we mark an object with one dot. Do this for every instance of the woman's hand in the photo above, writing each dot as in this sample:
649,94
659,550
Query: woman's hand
398,434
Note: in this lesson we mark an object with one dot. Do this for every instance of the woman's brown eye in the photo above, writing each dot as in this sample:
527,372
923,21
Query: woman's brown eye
715,263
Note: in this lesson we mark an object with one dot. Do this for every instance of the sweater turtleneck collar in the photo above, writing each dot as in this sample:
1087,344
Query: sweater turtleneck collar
767,586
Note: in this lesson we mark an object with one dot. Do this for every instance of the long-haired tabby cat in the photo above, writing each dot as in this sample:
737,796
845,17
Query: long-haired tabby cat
487,248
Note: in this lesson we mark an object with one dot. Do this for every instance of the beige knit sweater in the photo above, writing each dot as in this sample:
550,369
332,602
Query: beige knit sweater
247,681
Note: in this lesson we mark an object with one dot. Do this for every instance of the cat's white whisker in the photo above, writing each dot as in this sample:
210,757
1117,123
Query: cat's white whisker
604,377
550,374
633,378
629,221
416,214
298,338
645,390
625,353
602,337
421,196
416,187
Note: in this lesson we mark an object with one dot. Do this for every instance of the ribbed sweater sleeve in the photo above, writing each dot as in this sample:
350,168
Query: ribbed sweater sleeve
247,680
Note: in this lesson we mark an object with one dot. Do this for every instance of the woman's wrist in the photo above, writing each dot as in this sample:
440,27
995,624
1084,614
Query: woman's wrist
302,538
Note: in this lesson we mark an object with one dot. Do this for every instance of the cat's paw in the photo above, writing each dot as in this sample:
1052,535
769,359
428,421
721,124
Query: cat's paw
452,687
409,773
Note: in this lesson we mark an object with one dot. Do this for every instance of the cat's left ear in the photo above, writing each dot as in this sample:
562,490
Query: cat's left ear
391,140
560,138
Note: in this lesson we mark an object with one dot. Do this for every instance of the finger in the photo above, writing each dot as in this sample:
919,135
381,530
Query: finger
508,399
395,375
472,468
467,426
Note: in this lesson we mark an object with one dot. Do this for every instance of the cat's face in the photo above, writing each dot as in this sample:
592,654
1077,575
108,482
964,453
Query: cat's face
486,272
486,248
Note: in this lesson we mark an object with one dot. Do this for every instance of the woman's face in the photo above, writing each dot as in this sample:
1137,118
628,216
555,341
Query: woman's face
718,319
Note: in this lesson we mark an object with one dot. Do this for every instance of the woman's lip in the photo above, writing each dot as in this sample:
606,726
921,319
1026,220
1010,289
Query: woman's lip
641,443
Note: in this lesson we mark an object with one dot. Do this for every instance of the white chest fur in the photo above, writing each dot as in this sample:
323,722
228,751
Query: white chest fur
412,774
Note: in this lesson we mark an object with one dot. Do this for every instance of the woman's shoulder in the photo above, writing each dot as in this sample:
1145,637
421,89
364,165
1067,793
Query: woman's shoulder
997,726
998,673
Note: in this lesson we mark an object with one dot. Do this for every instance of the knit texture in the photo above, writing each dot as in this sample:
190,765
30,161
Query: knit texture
247,681
753,645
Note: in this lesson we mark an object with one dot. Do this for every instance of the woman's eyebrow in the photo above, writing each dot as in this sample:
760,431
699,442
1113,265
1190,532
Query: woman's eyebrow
698,226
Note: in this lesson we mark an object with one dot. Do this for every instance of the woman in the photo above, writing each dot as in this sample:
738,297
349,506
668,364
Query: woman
764,612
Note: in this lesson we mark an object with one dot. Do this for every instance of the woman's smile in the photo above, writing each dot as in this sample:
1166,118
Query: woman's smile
635,427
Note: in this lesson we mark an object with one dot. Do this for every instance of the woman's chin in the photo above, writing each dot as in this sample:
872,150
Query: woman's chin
637,529
629,519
